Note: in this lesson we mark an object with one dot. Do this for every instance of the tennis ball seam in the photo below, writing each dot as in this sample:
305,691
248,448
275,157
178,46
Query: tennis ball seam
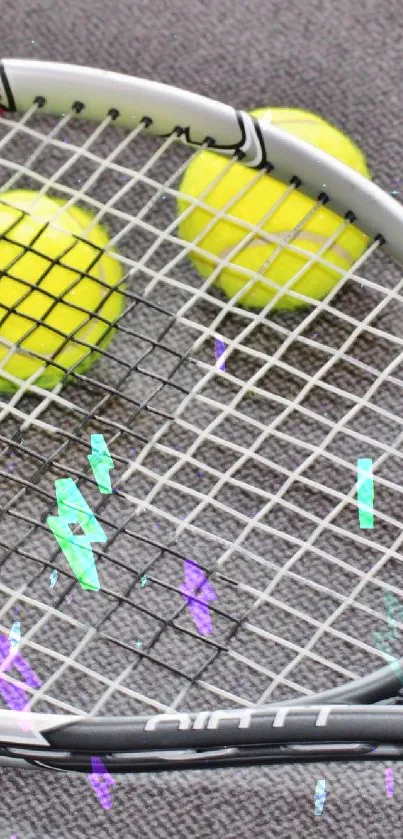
315,238
319,254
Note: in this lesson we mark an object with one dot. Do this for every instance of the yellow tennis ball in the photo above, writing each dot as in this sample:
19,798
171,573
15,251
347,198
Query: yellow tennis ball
41,259
224,236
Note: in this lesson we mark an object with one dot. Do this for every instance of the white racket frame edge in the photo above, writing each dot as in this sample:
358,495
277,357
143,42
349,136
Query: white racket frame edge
61,85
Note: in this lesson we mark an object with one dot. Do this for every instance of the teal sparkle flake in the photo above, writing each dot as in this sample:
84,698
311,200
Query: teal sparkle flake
53,578
394,609
320,796
365,492
391,601
101,463
73,509
381,642
15,635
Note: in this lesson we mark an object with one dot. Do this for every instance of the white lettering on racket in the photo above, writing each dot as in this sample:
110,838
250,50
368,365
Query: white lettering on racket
211,720
200,721
280,717
323,715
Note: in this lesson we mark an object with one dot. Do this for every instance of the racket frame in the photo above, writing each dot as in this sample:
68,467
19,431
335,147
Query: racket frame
285,731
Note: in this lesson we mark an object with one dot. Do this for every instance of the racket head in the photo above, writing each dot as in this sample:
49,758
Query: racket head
234,572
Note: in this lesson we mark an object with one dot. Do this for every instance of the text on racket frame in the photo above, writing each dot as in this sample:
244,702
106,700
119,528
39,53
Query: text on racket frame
246,718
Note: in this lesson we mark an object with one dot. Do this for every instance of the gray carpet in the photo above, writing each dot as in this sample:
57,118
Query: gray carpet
346,66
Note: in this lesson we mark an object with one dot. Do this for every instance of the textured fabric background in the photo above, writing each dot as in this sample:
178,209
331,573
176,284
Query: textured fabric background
344,61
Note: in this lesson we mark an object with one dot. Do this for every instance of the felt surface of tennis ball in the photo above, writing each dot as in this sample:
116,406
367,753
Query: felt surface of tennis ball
37,257
319,279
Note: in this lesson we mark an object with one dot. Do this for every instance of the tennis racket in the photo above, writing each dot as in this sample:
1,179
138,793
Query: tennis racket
242,613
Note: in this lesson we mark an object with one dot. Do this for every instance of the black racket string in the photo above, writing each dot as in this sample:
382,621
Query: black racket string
216,647
73,437
95,414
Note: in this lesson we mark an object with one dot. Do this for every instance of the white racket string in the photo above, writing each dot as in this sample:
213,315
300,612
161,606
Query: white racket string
257,431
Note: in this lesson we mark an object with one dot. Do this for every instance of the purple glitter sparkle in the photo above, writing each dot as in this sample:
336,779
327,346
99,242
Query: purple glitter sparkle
389,782
100,779
15,696
219,349
197,591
